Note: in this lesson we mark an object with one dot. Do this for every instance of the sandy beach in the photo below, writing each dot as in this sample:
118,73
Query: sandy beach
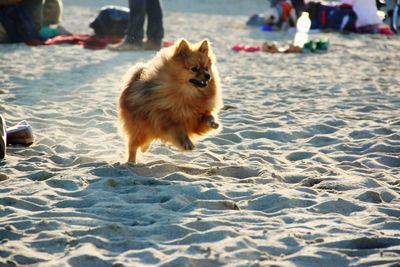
306,171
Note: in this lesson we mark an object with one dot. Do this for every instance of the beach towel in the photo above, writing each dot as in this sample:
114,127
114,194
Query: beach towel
85,40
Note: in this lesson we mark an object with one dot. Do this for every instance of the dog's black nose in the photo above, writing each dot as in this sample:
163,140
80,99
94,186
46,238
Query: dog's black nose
207,75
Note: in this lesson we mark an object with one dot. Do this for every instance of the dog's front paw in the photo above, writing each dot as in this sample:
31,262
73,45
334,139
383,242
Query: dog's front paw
214,125
188,145
211,122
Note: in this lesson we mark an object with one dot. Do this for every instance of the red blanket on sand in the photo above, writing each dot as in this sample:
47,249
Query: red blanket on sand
84,40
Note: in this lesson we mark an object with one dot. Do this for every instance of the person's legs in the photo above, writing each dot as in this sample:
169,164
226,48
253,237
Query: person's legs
389,5
393,11
3,34
18,24
136,21
299,6
35,9
133,40
314,11
155,29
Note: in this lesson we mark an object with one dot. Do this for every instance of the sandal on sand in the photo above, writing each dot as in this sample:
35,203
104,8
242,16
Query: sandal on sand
20,134
3,137
252,48
246,48
292,48
237,47
270,47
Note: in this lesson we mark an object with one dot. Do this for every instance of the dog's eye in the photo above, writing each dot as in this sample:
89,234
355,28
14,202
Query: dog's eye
195,69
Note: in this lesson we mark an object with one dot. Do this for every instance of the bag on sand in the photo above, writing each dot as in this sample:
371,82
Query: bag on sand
112,20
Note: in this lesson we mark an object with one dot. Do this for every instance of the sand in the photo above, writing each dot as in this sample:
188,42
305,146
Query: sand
304,173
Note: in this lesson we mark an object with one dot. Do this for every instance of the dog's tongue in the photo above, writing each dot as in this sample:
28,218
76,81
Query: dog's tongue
199,83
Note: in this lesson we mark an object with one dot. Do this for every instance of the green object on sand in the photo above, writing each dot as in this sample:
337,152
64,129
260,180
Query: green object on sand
48,32
310,45
322,44
318,45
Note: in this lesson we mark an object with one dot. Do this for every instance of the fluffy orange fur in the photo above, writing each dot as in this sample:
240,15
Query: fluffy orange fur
175,98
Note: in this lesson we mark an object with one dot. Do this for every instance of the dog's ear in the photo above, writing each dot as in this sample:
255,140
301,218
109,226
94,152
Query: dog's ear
182,49
205,46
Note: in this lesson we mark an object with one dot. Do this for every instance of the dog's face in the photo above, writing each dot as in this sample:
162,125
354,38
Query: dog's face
196,62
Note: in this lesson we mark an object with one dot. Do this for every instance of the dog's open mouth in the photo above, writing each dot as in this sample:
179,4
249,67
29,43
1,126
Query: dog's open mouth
199,83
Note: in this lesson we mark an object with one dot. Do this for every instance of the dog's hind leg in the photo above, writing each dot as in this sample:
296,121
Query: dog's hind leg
132,151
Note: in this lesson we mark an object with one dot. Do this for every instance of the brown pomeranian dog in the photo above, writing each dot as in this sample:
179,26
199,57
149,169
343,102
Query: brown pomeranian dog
175,98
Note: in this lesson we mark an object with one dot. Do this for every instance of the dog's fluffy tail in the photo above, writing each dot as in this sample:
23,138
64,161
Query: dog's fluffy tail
138,73
134,74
